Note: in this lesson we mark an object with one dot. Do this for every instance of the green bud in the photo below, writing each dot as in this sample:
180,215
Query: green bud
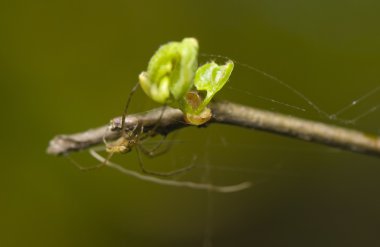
172,78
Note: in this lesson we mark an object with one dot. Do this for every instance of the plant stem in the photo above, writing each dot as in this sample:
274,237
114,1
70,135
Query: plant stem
231,114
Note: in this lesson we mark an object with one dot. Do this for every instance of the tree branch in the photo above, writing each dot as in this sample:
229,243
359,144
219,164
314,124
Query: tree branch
231,114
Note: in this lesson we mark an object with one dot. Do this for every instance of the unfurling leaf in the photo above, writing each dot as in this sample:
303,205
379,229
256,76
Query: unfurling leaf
171,71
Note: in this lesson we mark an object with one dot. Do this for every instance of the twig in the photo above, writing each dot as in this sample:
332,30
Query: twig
232,114
175,183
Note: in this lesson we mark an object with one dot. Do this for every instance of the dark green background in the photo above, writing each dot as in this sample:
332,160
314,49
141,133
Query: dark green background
66,66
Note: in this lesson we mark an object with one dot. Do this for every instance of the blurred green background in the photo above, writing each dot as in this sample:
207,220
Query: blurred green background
68,65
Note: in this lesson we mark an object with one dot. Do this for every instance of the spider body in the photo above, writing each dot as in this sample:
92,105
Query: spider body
121,145
125,143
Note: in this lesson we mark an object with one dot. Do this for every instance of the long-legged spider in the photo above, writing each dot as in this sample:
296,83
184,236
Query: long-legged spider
133,138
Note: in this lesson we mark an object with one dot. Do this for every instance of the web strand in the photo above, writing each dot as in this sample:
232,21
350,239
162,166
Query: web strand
314,106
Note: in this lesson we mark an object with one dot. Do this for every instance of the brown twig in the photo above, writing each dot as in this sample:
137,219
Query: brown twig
232,114
170,182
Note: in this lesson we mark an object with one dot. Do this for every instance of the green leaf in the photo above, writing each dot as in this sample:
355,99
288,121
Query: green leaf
171,71
210,78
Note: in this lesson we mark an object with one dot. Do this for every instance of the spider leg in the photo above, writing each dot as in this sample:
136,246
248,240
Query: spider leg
154,152
127,105
143,136
152,131
162,174
130,133
90,168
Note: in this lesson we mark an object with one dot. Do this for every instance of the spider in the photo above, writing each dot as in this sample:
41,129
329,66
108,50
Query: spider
172,73
133,138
